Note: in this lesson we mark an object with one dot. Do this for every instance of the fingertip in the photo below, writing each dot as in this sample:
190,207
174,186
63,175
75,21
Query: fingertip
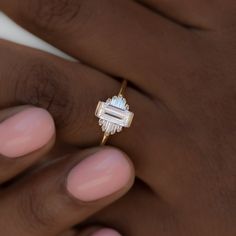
100,175
106,232
25,132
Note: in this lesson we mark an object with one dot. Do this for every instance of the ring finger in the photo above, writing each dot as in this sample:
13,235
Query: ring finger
70,92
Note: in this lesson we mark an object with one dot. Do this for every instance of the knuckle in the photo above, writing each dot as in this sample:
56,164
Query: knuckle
54,13
44,86
33,212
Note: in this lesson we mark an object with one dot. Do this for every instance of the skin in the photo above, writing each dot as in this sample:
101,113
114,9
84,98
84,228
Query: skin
179,58
45,201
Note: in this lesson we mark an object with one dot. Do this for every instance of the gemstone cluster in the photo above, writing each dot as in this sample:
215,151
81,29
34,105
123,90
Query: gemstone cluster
114,114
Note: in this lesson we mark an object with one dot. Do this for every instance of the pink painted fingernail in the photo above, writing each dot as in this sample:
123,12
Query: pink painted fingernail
25,132
99,175
106,232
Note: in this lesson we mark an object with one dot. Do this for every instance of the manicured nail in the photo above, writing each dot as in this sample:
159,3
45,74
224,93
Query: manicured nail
25,132
106,232
99,175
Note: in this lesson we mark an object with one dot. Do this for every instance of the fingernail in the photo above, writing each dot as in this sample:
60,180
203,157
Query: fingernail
106,232
25,132
99,175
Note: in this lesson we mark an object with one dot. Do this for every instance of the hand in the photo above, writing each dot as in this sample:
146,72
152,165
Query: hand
27,77
50,198
179,57
60,194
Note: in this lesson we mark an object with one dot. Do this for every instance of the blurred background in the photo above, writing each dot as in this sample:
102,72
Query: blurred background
9,30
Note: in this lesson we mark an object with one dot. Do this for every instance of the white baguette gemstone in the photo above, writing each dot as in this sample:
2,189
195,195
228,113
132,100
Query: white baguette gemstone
114,114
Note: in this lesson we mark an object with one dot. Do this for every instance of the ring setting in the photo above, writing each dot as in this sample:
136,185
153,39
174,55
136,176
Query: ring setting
114,114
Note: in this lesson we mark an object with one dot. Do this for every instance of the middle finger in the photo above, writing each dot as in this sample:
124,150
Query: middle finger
121,37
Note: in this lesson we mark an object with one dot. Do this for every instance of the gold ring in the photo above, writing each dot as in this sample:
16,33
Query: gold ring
114,114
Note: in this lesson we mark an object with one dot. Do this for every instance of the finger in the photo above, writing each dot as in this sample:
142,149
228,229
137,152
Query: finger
26,135
119,37
99,232
138,203
92,231
106,232
70,92
201,14
65,193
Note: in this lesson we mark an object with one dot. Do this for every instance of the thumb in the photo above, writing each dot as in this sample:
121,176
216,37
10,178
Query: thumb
67,192
99,232
92,231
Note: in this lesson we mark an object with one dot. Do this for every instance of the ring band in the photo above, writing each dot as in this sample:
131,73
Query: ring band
114,114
